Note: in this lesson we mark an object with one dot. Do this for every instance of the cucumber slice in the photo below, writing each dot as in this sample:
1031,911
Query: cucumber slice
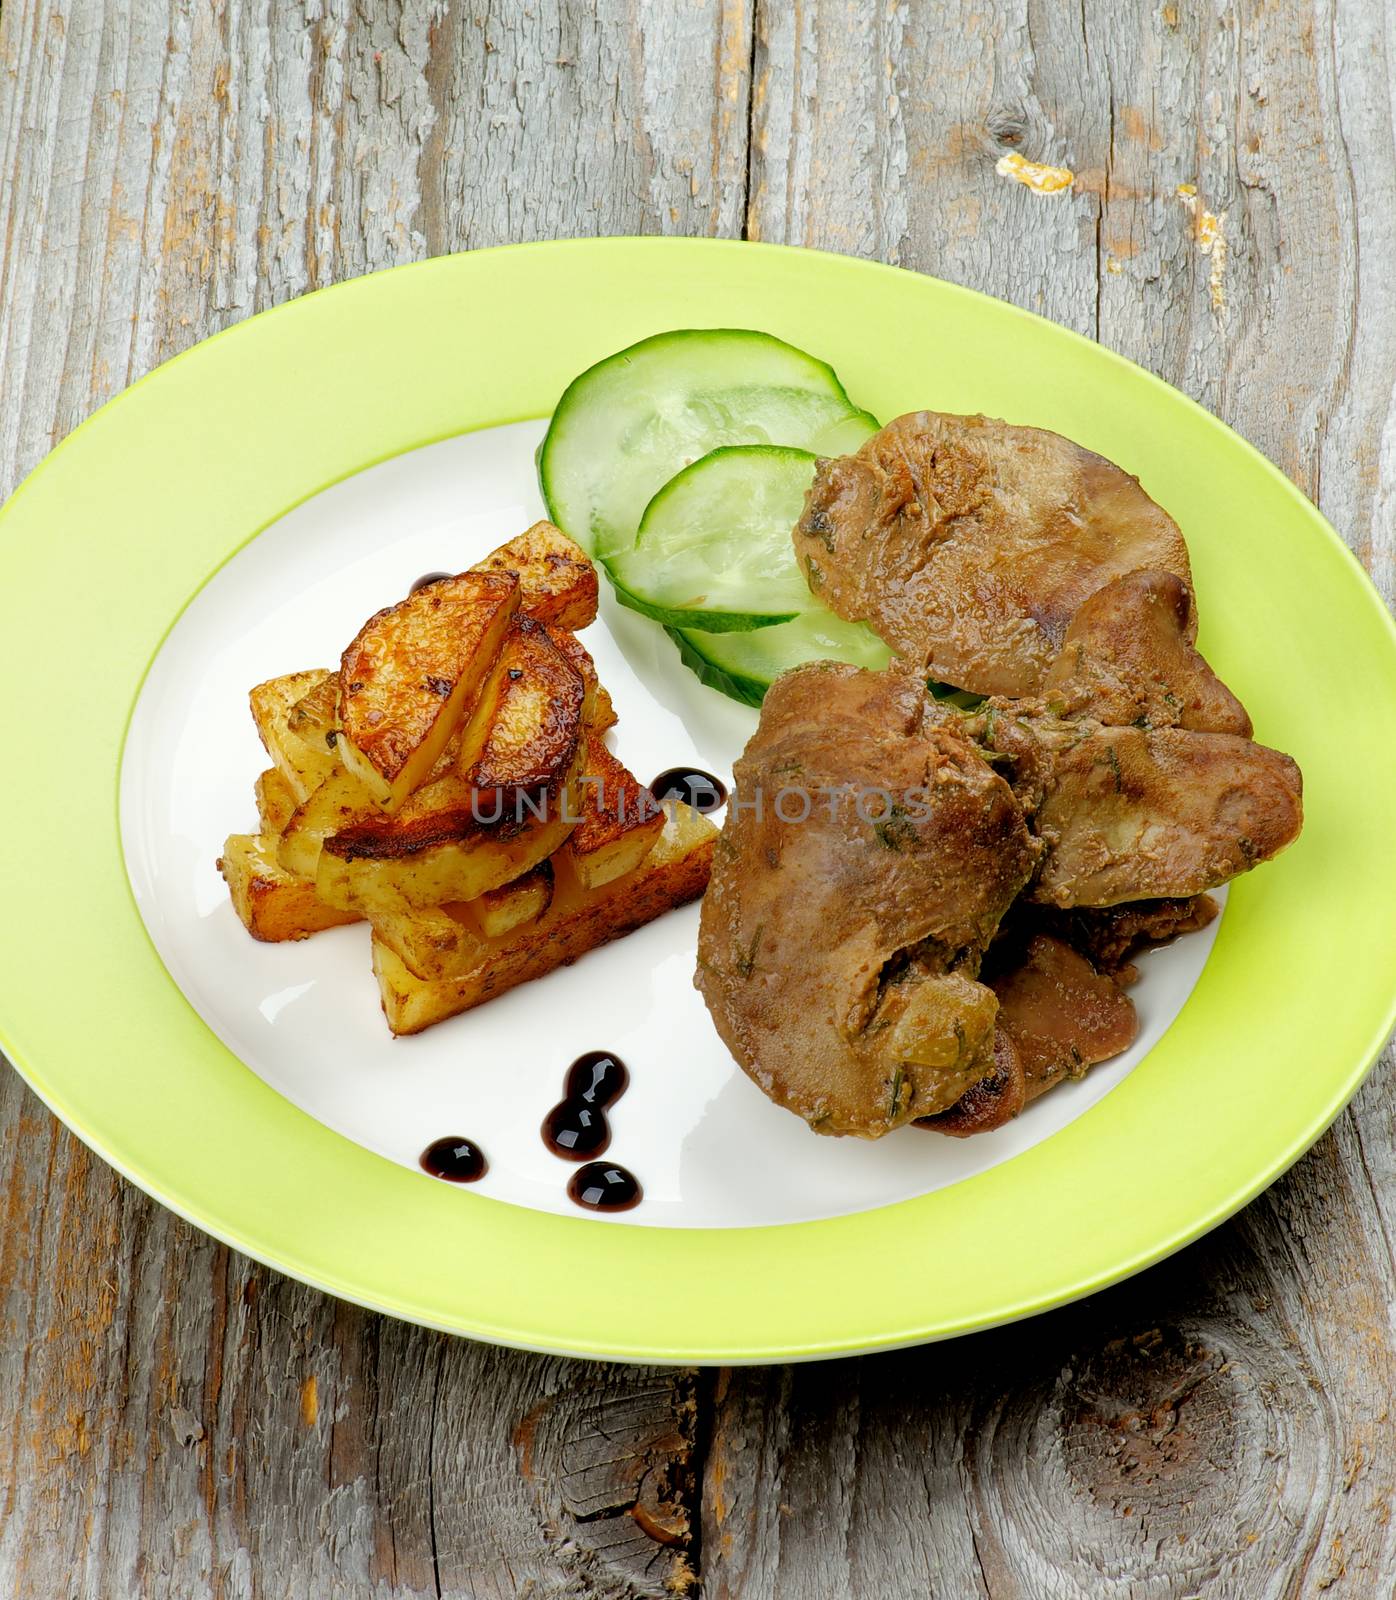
745,665
714,548
628,424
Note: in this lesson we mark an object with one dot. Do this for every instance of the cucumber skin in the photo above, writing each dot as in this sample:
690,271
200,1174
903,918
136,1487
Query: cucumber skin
745,690
708,621
748,682
866,417
751,693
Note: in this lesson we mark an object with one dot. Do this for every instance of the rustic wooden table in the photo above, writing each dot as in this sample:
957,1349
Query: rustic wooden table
182,1422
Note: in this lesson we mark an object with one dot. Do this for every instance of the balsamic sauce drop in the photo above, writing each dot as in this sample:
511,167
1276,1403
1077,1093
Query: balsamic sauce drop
426,578
692,785
456,1160
603,1186
576,1132
598,1078
576,1128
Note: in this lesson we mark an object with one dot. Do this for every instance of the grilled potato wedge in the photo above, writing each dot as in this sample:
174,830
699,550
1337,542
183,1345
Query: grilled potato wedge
304,765
499,911
509,802
273,905
621,821
340,802
528,720
511,765
557,582
435,941
597,711
448,843
315,716
276,802
579,919
411,673
618,821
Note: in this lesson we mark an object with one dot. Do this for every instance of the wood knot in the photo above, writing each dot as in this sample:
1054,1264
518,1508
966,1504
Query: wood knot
610,1464
1199,1445
1006,129
1148,1413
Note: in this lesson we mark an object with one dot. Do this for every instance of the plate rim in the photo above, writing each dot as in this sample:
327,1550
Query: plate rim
241,340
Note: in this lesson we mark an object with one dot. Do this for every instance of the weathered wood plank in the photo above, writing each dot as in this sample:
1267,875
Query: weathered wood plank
179,1421
626,120
1196,1456
170,171
1220,1425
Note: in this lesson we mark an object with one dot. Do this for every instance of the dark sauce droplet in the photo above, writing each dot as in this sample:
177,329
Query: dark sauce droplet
576,1128
456,1160
692,785
603,1186
598,1078
576,1132
426,578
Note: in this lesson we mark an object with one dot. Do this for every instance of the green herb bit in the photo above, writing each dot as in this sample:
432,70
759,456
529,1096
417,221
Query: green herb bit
745,962
895,830
1112,760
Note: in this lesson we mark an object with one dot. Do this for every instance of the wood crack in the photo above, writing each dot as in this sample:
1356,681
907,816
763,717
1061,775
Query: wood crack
431,1463
749,165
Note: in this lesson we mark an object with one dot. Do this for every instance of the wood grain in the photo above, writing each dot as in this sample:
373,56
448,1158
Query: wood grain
1220,1424
181,1422
185,1423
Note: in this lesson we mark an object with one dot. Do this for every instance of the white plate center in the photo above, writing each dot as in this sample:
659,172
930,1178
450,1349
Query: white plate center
707,1146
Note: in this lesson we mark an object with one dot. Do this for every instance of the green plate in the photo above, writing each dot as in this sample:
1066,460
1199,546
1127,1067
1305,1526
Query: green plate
111,537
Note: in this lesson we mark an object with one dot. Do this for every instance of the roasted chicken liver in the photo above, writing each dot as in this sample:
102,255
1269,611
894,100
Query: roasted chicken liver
970,544
1128,659
1057,1017
868,855
1142,813
853,964
1060,980
1110,935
